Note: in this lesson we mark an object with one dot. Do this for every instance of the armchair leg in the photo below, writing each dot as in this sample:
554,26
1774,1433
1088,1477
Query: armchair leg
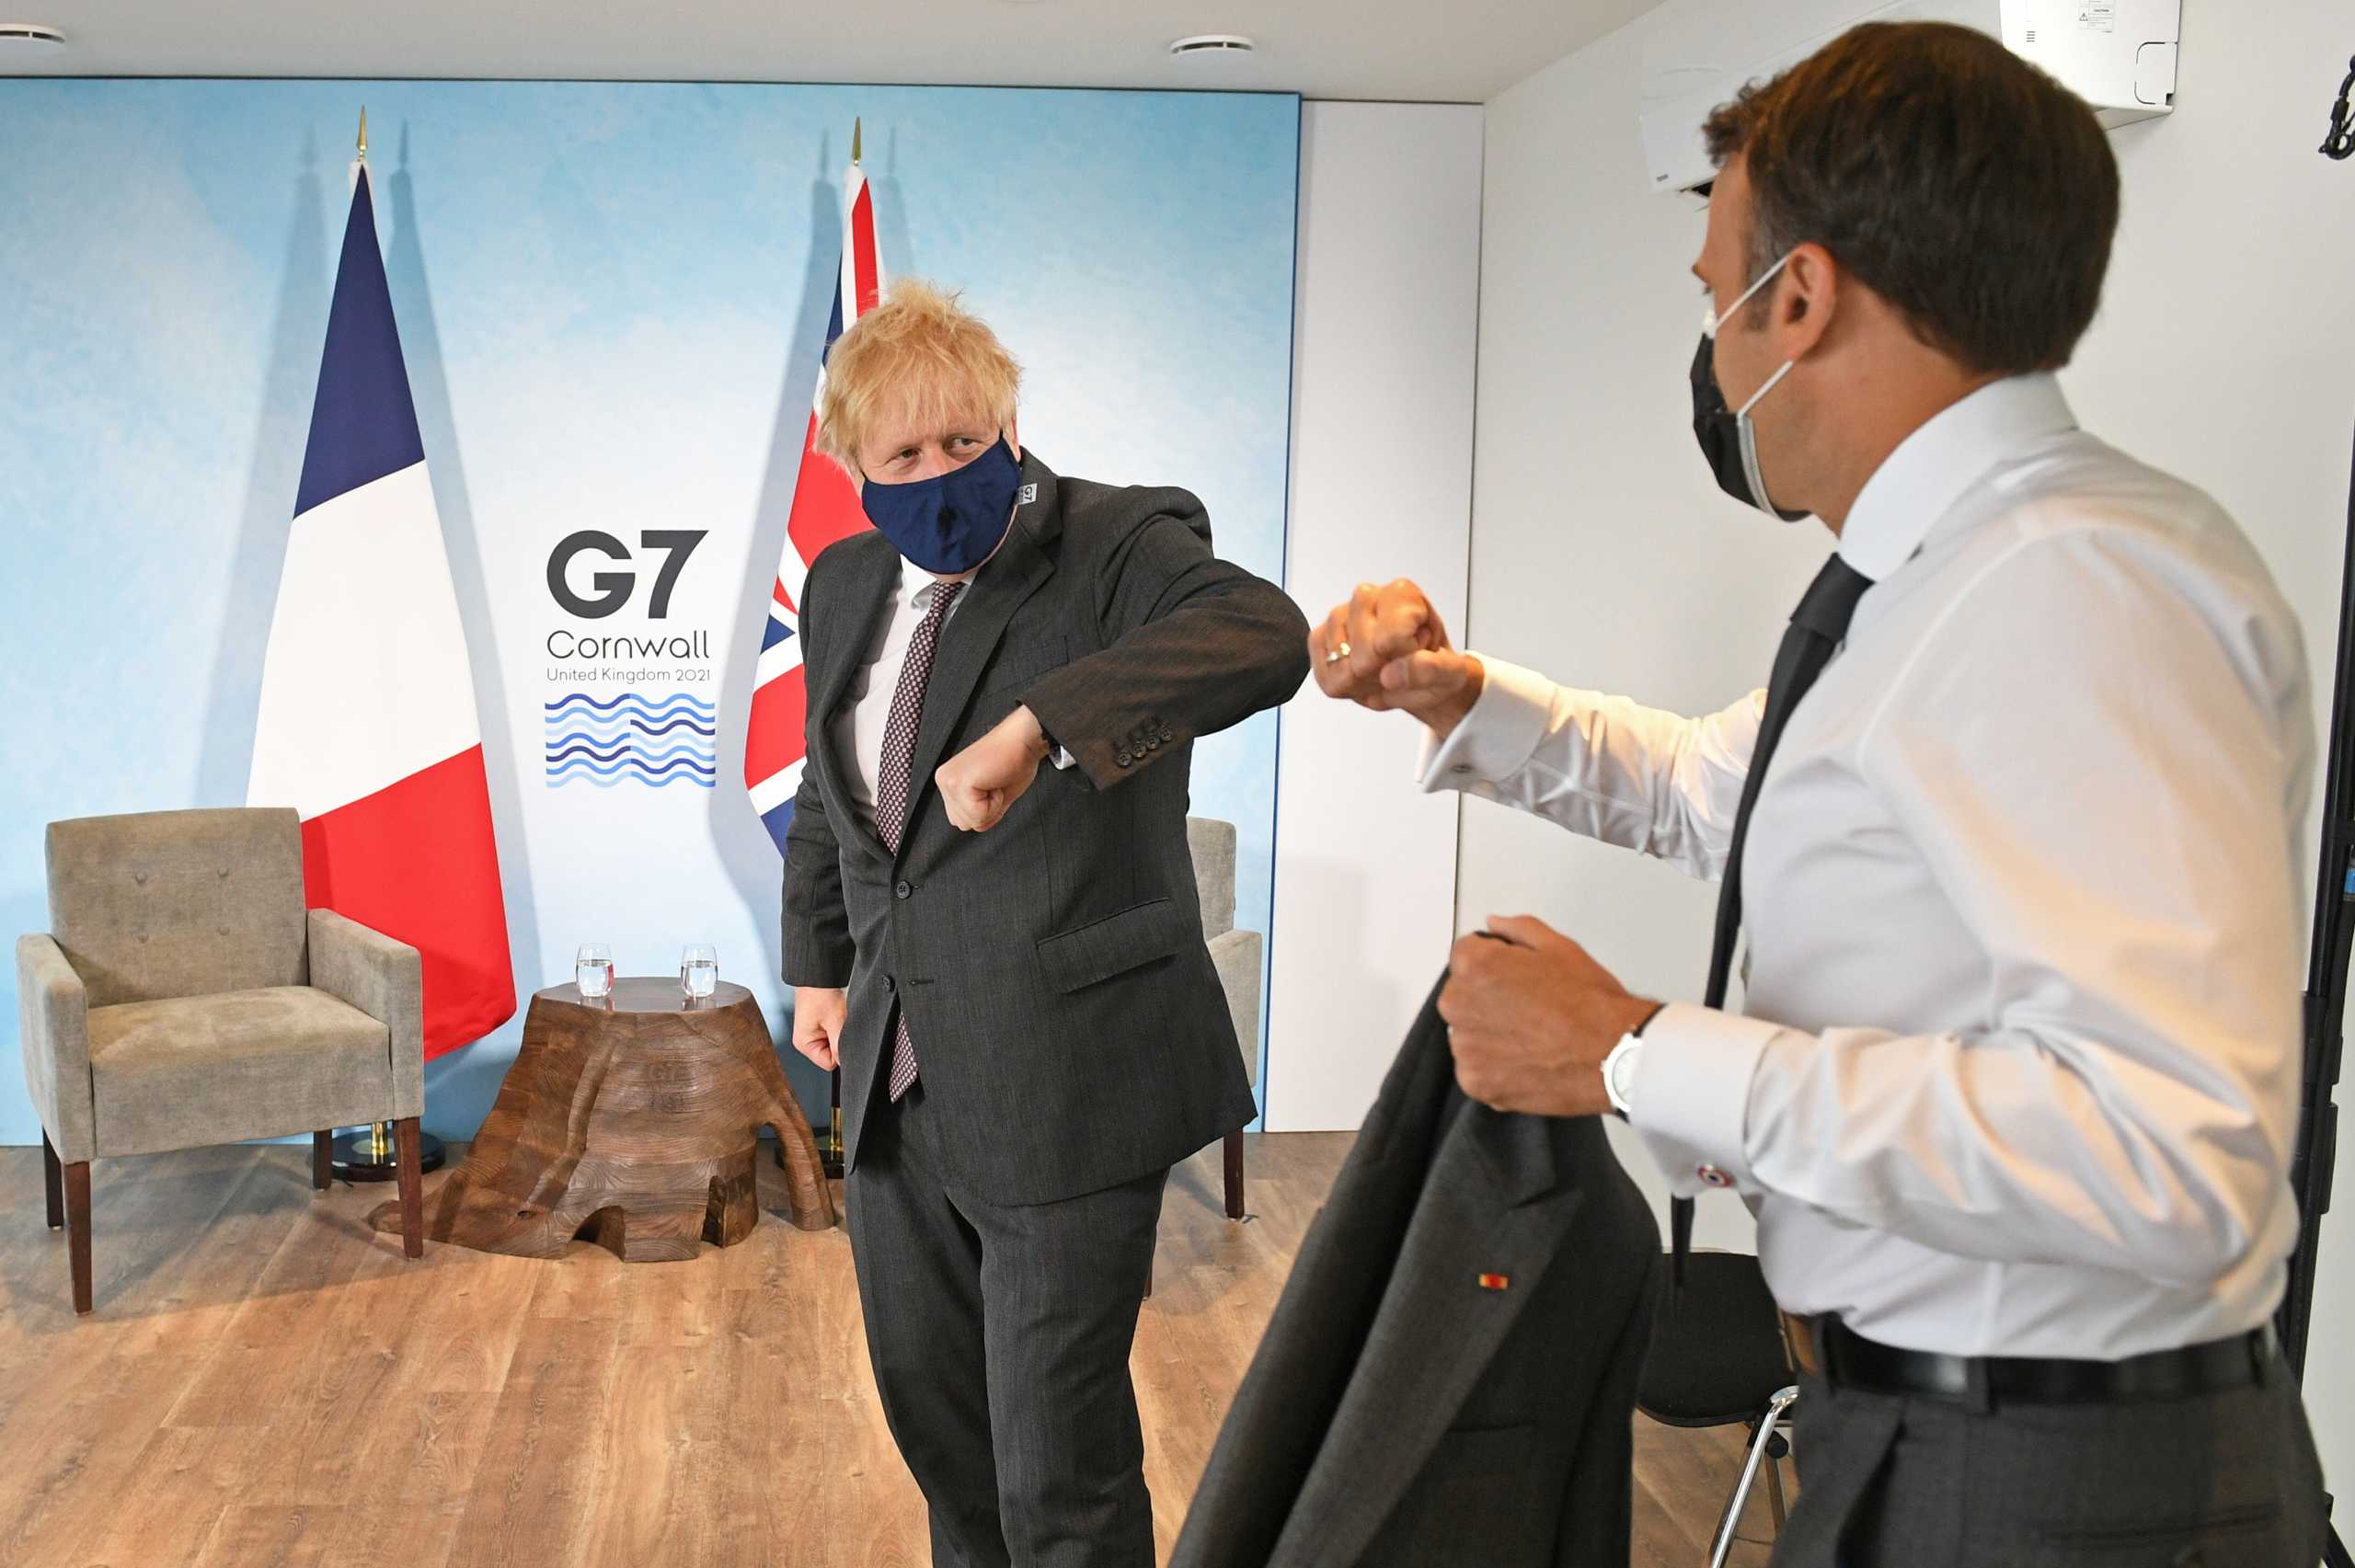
53,1183
408,1154
1235,1175
322,1161
77,1230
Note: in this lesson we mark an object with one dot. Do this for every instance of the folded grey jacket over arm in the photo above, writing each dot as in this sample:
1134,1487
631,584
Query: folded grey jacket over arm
1450,1374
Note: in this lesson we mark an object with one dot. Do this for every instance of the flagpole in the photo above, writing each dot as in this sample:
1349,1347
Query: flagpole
369,1155
835,1152
831,1151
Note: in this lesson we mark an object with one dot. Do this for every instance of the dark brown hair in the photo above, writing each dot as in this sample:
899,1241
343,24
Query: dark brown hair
1953,178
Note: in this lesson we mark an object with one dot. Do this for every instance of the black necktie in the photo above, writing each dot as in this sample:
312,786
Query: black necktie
1817,627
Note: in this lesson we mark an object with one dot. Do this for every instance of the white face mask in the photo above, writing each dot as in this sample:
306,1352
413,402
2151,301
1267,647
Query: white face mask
1709,423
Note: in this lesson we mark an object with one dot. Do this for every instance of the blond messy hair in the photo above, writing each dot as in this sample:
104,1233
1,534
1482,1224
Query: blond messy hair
919,356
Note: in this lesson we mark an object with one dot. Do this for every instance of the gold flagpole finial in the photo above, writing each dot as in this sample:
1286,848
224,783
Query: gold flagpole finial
364,133
856,127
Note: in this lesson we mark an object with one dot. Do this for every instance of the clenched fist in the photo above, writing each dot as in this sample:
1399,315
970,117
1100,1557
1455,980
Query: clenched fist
1385,648
818,1015
979,785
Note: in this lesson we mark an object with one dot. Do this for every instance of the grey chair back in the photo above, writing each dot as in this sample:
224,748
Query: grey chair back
165,904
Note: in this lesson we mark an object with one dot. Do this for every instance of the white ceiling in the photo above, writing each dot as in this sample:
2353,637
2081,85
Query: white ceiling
1458,51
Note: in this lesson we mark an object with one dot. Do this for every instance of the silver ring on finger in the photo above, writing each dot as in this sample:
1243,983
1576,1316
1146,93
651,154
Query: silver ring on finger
1336,653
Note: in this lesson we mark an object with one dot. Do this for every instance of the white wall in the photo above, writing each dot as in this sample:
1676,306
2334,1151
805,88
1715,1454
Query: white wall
1603,554
1381,481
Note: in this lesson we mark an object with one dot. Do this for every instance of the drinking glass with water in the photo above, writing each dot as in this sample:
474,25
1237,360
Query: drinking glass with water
698,969
593,969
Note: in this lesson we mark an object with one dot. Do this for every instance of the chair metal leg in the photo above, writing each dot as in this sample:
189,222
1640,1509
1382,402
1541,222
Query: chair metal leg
77,1231
408,1155
1774,1490
52,1183
322,1161
1235,1175
1773,1418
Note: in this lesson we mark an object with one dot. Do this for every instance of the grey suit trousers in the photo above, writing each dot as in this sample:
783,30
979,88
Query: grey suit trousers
1000,1338
2226,1479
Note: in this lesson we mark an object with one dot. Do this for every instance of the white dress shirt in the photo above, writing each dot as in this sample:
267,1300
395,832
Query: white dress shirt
2017,1067
865,711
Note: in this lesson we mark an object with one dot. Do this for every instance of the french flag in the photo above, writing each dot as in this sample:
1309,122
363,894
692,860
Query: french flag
367,724
825,509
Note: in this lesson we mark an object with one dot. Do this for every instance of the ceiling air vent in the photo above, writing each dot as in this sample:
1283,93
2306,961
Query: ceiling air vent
1212,43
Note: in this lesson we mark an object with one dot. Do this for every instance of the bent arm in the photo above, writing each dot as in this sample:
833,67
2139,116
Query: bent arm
1196,644
1611,769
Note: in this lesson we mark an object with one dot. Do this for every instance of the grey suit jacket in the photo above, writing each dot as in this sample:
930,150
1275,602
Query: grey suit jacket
1450,1374
1070,1029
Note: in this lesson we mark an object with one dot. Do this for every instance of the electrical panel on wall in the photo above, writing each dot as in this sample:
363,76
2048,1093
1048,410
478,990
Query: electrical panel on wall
2118,56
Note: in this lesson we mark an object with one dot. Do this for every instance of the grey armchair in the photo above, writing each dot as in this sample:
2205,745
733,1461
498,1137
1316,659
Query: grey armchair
185,996
1237,956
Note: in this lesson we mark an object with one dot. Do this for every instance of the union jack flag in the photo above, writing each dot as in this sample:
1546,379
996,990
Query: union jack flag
825,509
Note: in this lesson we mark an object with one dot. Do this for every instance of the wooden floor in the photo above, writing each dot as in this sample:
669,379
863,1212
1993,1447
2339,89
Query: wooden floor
266,1381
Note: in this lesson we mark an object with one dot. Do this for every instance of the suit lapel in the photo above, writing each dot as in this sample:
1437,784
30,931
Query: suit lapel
974,631
1491,1208
865,593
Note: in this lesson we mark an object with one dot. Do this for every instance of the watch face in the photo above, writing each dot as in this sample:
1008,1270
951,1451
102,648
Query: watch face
1622,1069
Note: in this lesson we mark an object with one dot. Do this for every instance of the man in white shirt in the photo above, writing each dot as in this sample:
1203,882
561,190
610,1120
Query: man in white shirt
2014,1083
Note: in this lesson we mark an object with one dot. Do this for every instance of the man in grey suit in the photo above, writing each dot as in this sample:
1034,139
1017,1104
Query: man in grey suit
992,927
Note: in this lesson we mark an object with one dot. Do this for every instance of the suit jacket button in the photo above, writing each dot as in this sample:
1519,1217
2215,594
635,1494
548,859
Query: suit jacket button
1153,744
890,984
905,890
1167,736
1124,759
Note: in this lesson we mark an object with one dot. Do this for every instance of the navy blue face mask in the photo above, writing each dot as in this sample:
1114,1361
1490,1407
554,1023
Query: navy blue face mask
953,522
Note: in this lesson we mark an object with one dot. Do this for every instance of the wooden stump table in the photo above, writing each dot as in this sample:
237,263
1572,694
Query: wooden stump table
632,1121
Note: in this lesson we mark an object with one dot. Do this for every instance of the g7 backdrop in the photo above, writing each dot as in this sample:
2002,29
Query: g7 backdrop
613,300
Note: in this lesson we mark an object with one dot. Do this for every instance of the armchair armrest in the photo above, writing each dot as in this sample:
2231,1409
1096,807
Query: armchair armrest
382,978
1235,956
53,1016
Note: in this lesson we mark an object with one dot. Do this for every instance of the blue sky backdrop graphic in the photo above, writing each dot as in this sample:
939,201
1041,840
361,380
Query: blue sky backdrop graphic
611,298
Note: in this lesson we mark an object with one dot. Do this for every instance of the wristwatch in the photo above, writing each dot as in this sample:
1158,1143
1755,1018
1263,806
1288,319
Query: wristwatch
1619,1067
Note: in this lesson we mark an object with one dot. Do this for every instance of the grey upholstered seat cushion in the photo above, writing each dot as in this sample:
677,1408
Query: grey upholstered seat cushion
257,1063
178,903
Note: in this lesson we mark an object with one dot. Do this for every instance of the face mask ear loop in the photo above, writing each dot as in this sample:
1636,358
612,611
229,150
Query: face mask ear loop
1711,320
1748,430
1751,473
1743,412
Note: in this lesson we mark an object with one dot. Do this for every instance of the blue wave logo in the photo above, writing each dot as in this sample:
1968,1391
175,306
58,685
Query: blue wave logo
630,739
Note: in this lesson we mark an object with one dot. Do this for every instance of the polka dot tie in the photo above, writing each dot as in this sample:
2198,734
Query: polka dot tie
892,792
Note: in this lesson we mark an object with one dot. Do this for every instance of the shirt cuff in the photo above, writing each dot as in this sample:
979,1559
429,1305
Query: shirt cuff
1498,737
1691,1097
